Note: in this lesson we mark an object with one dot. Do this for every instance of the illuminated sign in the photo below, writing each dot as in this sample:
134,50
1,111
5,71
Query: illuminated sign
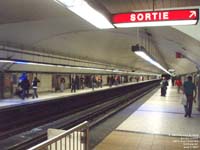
156,18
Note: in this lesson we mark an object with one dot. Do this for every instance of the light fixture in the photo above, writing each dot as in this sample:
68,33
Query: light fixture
6,61
19,62
85,11
140,51
156,18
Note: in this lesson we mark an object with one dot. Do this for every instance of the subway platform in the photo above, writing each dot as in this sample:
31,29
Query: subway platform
158,124
16,101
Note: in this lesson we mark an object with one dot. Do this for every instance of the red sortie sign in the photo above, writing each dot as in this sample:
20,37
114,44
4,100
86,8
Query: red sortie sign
166,15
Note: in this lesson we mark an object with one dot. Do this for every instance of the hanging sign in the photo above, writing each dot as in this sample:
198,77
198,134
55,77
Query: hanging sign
179,55
156,18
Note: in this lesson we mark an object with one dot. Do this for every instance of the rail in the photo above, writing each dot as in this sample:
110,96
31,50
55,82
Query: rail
69,112
76,138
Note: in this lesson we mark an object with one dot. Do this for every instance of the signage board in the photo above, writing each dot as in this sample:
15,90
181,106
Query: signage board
156,18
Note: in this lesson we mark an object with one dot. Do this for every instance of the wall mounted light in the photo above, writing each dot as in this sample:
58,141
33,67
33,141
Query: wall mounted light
20,62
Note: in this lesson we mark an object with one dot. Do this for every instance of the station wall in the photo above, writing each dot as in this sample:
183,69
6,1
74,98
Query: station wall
50,82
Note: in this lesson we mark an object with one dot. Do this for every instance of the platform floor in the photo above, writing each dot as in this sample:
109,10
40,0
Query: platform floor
15,101
159,124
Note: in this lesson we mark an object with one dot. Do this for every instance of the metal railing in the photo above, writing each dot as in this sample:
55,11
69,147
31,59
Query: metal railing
76,138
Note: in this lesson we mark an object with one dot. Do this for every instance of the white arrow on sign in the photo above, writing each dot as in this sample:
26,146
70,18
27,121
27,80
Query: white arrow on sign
192,13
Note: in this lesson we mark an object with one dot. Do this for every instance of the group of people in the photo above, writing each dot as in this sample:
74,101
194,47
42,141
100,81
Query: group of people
117,79
25,86
189,91
96,82
77,83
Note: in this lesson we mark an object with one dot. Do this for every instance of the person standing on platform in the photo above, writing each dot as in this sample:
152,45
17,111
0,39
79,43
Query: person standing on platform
189,89
22,85
101,81
173,79
81,82
27,87
62,84
24,88
110,80
178,84
35,87
164,84
73,84
93,81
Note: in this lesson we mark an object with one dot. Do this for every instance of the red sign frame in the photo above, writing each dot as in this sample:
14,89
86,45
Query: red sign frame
156,16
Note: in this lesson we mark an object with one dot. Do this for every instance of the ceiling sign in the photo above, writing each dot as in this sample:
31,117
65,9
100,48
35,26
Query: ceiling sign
179,55
156,18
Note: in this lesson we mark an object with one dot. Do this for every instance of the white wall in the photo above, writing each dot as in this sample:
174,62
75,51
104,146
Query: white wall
45,83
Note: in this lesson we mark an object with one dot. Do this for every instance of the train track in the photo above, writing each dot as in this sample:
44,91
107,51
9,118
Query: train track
67,112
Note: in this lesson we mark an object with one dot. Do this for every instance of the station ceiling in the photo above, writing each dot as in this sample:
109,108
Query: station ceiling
45,26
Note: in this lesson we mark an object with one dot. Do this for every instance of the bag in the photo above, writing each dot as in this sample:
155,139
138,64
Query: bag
184,100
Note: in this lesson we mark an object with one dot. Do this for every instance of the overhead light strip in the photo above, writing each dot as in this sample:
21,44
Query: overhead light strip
149,59
18,62
85,11
53,65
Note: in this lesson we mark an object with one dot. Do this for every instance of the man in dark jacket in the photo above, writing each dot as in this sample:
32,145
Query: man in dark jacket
189,90
164,84
73,84
23,87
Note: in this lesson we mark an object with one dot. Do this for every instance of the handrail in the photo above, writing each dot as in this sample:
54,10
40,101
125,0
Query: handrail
81,127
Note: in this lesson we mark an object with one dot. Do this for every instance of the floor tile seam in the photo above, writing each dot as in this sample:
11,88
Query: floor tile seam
158,134
164,99
168,101
165,112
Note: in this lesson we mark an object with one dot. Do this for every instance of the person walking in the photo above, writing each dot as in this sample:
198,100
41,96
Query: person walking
27,87
35,86
24,88
164,84
189,89
178,83
173,80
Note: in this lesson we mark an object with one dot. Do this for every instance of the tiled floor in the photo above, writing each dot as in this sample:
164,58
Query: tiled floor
121,140
157,124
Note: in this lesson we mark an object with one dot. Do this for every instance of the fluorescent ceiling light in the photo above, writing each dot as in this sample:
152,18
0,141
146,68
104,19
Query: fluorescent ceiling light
32,63
18,62
119,71
149,59
85,11
157,23
144,73
52,65
6,61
